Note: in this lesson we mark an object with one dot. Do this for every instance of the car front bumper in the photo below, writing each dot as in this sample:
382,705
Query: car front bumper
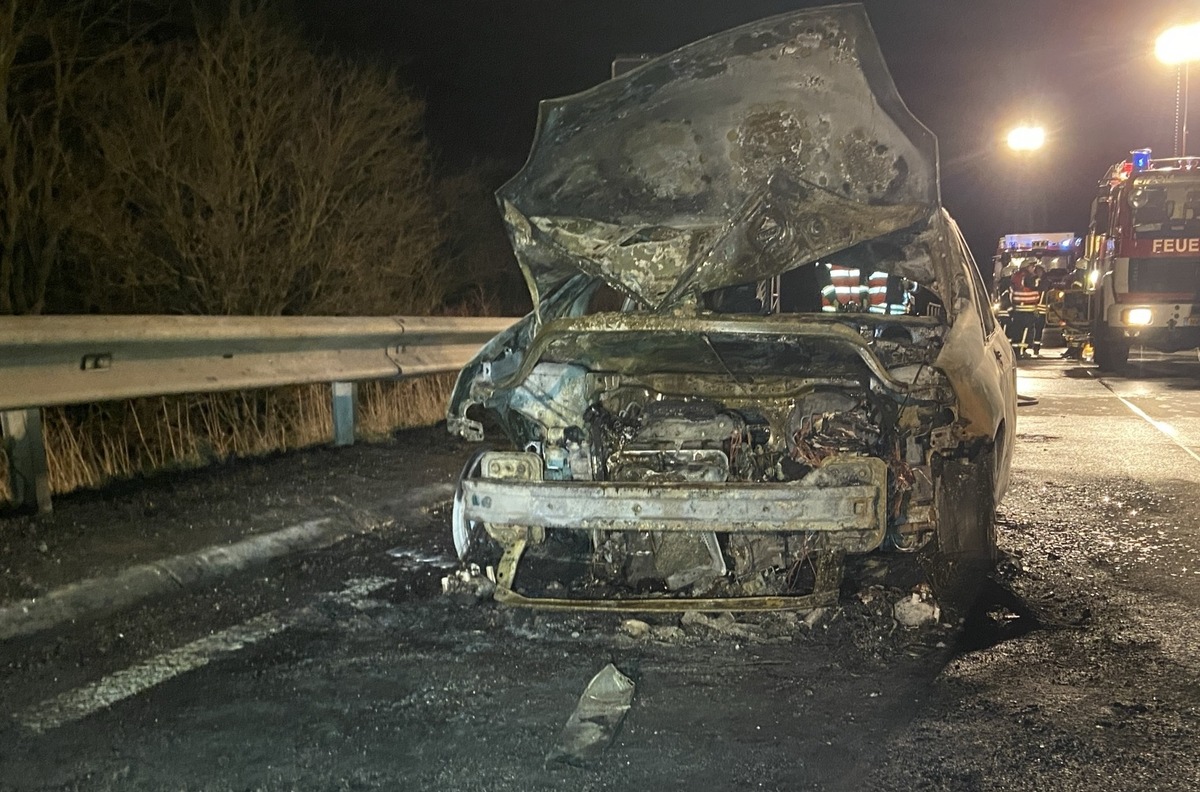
842,504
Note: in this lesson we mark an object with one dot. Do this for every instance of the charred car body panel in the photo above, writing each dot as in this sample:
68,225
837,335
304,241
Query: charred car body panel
776,142
731,431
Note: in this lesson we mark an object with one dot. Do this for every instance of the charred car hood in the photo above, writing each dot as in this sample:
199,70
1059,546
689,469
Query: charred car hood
732,159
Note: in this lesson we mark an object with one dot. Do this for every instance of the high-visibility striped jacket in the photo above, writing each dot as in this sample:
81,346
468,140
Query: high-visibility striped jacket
845,291
877,295
1024,291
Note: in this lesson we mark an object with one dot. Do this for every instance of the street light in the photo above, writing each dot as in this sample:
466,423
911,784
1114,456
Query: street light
1028,198
1026,138
1179,46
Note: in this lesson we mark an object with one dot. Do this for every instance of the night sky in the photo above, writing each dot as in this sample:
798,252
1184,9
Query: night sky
968,69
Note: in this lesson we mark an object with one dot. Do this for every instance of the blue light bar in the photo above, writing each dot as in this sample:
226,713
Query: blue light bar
1140,158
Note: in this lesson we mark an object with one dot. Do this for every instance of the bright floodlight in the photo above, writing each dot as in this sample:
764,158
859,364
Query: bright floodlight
1026,138
1179,44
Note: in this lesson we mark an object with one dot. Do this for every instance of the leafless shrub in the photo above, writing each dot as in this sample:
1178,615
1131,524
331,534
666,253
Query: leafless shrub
243,174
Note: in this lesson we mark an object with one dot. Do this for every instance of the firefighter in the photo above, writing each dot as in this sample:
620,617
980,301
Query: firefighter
1047,288
1036,281
1004,307
845,291
1025,295
1004,292
886,294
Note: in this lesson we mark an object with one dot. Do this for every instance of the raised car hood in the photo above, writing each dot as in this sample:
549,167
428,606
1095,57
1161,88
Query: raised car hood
730,160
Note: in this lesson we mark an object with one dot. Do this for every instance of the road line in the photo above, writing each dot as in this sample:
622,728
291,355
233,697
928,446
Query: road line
1161,426
81,702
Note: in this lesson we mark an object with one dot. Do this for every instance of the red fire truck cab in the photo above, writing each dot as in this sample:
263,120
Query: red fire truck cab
1145,236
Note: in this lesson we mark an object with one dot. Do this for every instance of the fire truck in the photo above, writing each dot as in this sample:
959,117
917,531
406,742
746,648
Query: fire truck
1060,255
1145,238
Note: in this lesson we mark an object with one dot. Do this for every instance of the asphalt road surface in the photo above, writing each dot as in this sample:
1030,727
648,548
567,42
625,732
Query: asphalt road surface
347,668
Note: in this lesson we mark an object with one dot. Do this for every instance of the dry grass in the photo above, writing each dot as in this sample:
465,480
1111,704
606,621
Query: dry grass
90,445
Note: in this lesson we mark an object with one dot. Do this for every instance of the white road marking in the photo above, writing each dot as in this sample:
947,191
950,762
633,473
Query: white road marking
81,702
1170,431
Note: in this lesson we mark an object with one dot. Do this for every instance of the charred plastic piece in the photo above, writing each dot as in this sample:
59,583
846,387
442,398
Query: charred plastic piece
596,718
803,347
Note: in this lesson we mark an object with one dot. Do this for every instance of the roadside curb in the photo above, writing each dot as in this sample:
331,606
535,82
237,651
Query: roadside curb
99,595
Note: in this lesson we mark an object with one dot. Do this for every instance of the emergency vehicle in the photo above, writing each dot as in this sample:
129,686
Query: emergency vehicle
1060,254
1145,232
1054,251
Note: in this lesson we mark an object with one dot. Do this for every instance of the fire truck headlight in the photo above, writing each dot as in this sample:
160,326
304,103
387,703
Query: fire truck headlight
1138,316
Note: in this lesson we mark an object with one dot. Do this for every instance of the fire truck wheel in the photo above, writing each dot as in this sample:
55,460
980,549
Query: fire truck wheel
1110,350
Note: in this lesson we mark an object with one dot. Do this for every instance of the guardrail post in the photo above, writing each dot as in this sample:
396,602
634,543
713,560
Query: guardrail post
345,396
28,474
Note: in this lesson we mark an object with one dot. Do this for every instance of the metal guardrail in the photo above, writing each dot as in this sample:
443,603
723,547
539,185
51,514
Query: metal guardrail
54,360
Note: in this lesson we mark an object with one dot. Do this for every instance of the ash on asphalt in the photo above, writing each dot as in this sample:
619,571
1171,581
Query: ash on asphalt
997,615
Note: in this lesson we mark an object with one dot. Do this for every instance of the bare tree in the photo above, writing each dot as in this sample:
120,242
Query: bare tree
44,59
240,173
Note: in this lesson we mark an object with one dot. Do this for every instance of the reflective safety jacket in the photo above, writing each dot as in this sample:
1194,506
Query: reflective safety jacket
878,297
845,291
1026,296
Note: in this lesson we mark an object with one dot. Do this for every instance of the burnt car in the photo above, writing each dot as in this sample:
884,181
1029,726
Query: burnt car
759,343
